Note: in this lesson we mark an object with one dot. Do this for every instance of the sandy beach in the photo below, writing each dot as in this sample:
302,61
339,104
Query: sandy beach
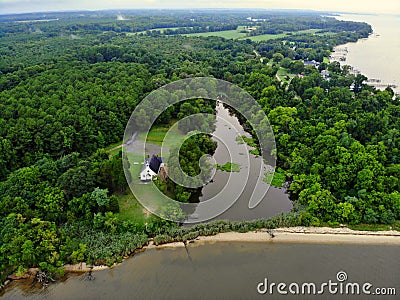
312,235
309,235
317,235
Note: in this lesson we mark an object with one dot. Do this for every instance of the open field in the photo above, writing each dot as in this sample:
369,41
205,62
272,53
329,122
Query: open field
266,37
131,209
283,73
227,34
136,162
158,132
236,34
129,206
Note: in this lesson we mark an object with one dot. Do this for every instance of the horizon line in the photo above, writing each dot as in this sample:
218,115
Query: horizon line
191,9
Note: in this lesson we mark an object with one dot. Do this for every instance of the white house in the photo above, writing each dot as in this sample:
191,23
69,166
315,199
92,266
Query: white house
311,63
151,167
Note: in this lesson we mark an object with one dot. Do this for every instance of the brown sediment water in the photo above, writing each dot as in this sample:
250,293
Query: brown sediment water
227,270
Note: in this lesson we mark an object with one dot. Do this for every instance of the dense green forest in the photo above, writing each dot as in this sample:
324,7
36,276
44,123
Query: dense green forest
68,87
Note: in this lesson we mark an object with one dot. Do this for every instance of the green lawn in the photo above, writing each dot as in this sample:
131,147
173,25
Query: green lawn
307,31
131,209
155,136
150,196
227,34
236,34
135,168
158,132
266,37
282,73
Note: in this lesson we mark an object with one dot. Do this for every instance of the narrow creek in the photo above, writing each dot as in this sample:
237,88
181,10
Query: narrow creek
274,202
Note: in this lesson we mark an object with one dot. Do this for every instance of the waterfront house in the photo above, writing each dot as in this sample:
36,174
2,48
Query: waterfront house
151,167
311,63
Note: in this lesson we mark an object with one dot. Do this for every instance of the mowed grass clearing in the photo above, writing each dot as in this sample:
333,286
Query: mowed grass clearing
284,73
157,134
236,34
226,34
266,37
131,209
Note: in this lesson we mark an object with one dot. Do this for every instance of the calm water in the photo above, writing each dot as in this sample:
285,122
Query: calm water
377,56
274,200
228,271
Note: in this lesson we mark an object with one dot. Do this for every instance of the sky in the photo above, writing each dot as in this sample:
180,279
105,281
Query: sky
359,6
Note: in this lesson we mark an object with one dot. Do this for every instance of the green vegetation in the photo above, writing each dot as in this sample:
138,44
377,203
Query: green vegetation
68,88
242,33
190,153
131,210
277,179
249,141
157,134
376,227
285,75
160,30
255,152
114,149
239,140
229,167
226,34
184,234
266,37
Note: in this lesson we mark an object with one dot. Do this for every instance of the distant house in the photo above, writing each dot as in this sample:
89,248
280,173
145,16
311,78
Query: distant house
325,74
151,167
256,20
311,63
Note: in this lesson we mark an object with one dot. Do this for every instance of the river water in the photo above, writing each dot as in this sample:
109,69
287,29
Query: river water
228,270
377,56
274,200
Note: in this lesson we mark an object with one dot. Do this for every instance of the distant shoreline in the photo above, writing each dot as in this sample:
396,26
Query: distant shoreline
360,68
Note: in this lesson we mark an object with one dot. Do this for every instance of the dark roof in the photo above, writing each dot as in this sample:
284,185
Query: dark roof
155,163
311,63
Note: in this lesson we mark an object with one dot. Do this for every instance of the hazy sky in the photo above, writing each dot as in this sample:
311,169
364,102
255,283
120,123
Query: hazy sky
363,6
